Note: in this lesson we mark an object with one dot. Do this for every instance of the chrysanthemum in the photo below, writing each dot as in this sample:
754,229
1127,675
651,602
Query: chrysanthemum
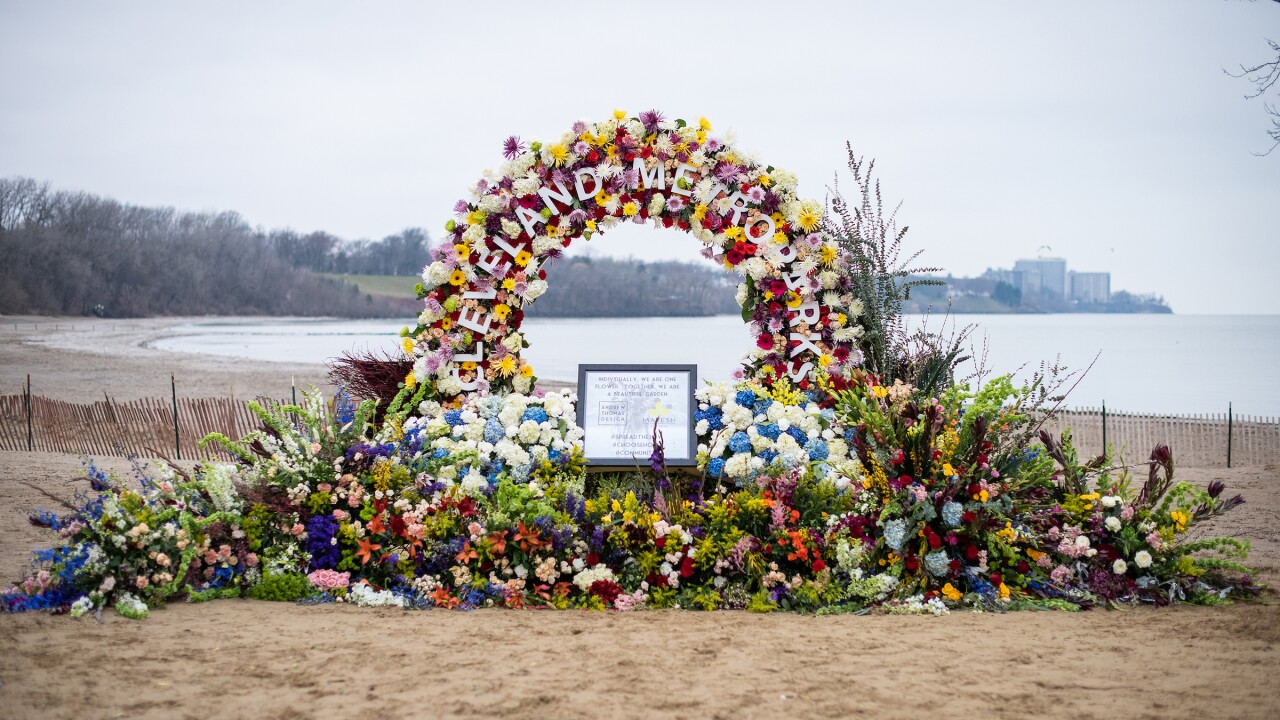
808,220
512,147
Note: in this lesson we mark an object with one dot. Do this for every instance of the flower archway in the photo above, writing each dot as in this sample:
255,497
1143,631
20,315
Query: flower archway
628,169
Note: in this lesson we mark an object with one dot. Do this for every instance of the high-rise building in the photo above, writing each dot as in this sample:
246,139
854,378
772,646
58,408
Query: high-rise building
1042,276
1093,288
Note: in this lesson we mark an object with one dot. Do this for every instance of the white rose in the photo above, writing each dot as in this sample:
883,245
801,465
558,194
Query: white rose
1142,559
1120,567
1109,501
1113,524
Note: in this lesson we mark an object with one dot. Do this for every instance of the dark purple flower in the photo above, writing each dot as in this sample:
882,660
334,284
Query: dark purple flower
651,119
511,147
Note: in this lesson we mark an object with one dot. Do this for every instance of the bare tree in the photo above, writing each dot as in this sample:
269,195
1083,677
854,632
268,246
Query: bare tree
1263,77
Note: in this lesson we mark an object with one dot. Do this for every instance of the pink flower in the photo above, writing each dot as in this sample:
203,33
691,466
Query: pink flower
162,560
210,557
251,560
297,529
329,579
142,582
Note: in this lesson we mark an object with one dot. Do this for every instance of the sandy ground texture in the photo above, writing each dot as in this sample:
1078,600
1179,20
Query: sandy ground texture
78,359
250,659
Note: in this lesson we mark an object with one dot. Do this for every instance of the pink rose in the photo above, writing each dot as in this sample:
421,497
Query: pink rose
251,560
142,582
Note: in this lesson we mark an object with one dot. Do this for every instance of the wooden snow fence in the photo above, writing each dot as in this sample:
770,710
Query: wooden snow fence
108,427
1196,440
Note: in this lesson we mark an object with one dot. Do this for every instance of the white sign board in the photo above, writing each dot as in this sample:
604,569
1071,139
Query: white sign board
618,406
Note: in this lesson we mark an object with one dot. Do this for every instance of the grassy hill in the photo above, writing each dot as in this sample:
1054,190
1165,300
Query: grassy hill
398,287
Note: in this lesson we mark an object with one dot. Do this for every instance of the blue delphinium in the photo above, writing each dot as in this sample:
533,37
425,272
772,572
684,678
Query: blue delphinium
344,409
740,442
325,554
951,513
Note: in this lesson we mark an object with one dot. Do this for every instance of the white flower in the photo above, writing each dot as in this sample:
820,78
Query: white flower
1120,567
1112,523
1142,559
1109,501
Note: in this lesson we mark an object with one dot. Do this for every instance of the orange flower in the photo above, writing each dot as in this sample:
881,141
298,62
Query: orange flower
442,599
375,524
528,538
467,553
497,543
367,547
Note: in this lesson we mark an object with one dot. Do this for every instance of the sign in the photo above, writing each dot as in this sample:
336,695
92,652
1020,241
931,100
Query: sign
618,406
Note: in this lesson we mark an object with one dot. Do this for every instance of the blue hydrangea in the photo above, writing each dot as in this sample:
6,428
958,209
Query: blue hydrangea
821,470
490,406
850,434
951,513
895,533
715,468
817,449
535,414
520,473
745,398
439,454
493,430
761,405
453,417
555,456
827,414
769,430
713,415
937,563
740,442
798,434
768,455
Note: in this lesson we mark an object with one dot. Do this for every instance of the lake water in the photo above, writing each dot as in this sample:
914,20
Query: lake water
1149,363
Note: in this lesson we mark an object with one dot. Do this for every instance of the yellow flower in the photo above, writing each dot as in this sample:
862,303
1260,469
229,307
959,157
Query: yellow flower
468,366
591,224
457,277
734,233
507,365
619,114
1004,591
829,254
462,252
794,300
559,152
808,220
526,371
699,212
602,198
445,324
983,496
1180,520
630,209
523,257
1034,554
476,217
509,284
879,391
825,360
764,180
947,470
781,238
410,381
407,345
501,311
952,594
704,124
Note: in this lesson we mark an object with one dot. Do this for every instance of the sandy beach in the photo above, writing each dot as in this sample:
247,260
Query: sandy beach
245,658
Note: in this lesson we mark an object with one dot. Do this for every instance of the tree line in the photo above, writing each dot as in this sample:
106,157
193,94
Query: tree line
75,253
604,287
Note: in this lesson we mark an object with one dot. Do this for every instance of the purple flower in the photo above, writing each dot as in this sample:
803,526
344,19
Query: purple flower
581,147
579,127
461,208
755,194
511,147
726,172
651,119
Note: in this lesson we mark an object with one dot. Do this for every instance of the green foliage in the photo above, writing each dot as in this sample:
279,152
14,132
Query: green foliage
282,587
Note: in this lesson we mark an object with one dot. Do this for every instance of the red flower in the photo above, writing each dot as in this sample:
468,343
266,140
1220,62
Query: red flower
592,559
765,341
971,553
606,590
819,566
686,567
997,579
912,562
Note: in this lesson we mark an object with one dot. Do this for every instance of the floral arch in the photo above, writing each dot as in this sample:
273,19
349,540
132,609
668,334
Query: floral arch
628,169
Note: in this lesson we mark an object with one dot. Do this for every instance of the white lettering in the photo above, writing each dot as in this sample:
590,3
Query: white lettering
675,181
798,374
737,204
492,265
806,313
794,280
547,195
472,322
477,356
489,294
577,182
466,387
528,219
806,341
659,174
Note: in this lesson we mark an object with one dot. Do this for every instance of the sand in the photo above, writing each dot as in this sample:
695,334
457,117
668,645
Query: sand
245,658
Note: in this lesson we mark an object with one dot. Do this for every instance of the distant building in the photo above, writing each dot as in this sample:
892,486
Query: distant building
1042,277
1091,288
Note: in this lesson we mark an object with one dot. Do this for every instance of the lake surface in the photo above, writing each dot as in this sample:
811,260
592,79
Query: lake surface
1149,363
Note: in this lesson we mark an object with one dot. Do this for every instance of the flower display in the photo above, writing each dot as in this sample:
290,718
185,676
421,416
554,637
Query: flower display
645,169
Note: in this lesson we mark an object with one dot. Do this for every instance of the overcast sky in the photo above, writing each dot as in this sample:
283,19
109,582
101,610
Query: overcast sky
1105,131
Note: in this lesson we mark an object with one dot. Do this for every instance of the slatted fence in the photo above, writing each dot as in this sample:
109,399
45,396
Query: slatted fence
111,428
1196,440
